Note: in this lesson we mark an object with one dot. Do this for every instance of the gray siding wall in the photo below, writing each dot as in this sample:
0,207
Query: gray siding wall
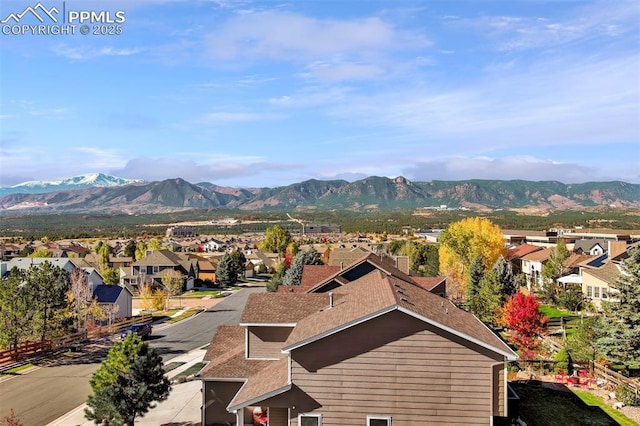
395,366
267,342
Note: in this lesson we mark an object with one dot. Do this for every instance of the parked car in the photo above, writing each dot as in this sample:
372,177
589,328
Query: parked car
142,330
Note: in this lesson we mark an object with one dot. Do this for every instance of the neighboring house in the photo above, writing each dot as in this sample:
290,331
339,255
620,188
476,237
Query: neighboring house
515,254
324,278
346,256
67,264
9,251
599,284
532,265
152,267
593,247
207,269
375,351
214,245
116,300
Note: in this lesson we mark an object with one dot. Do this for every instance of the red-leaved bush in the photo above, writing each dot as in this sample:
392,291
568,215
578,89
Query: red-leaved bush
520,314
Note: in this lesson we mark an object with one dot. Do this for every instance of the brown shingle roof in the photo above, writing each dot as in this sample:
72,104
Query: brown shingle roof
538,256
263,383
314,274
375,293
608,273
521,250
226,339
343,257
428,283
575,260
281,308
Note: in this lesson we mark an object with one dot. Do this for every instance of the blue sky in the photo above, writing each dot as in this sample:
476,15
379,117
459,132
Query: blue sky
244,93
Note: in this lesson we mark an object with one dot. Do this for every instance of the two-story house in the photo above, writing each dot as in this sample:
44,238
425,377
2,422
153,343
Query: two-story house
152,267
373,351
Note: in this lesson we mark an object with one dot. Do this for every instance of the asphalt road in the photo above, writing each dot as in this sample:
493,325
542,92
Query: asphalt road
60,385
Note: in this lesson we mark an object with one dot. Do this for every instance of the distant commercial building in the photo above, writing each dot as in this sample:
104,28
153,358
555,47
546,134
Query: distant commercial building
180,231
315,228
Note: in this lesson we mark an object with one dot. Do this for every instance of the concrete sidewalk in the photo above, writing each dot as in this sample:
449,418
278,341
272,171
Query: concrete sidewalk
181,408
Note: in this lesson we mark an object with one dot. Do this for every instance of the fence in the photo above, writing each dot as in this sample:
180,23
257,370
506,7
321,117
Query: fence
15,357
613,377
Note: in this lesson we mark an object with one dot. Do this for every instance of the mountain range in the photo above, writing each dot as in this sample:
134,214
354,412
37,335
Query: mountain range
91,180
107,194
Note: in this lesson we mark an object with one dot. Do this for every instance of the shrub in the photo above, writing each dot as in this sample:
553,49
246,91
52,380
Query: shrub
625,394
564,361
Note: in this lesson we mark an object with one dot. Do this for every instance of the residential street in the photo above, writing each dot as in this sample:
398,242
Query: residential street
60,385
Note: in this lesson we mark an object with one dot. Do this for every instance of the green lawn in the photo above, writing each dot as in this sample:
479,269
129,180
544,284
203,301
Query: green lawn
553,312
199,294
190,371
542,406
595,401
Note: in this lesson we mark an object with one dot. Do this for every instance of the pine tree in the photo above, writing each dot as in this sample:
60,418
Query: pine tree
16,310
48,287
239,262
506,279
293,276
476,272
119,360
225,272
621,340
488,298
133,392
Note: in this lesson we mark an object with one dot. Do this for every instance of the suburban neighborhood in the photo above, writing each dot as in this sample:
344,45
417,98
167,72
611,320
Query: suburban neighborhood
354,331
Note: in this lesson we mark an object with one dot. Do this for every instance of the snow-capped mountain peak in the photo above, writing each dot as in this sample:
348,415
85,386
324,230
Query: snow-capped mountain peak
76,182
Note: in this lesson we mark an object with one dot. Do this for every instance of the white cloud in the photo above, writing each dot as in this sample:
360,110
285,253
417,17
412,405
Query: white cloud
83,53
599,19
507,168
237,117
227,167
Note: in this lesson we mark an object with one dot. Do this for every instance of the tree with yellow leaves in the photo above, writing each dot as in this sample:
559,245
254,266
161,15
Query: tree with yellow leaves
461,242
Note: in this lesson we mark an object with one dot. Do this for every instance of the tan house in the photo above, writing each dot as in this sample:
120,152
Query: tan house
373,351
599,284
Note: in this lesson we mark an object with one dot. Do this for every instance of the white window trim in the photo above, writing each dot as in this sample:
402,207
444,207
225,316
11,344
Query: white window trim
318,416
387,418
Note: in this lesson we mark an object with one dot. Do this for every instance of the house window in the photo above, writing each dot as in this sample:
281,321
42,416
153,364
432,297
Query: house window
596,292
310,419
156,269
605,294
378,421
589,291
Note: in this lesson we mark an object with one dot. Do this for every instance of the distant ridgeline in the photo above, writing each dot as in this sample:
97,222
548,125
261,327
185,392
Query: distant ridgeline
369,194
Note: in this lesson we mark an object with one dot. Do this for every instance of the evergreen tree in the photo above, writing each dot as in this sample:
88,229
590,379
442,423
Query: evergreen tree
506,279
583,342
133,391
130,249
225,272
239,262
119,360
16,310
621,340
48,287
293,276
488,298
476,272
